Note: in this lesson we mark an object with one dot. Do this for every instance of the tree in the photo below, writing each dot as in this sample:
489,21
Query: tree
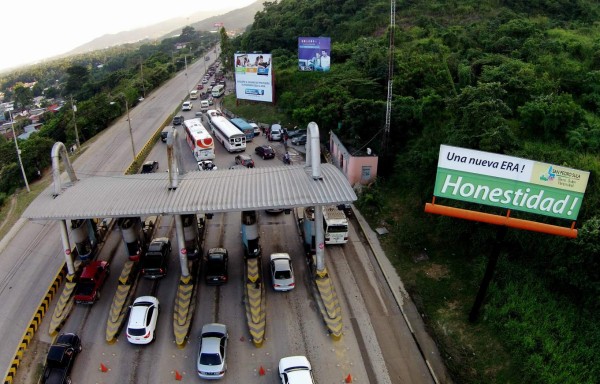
78,77
23,97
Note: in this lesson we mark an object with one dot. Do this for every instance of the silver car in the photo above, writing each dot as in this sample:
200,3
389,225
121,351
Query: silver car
212,352
282,273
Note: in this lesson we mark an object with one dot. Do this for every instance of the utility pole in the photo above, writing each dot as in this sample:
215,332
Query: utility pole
12,126
142,75
74,109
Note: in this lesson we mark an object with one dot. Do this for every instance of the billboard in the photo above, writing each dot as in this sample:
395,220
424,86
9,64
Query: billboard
314,53
253,76
509,182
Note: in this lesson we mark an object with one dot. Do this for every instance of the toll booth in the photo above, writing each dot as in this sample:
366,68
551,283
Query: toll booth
85,236
133,237
250,235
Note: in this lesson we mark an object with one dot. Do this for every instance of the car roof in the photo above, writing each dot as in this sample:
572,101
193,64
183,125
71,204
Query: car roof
275,256
90,269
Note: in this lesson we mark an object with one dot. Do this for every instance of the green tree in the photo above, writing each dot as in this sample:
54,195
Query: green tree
23,97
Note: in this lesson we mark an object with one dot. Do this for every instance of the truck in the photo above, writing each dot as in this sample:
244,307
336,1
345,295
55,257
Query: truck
250,234
335,225
90,282
60,359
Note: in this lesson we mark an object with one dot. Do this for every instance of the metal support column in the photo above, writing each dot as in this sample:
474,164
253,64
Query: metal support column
319,239
183,260
64,235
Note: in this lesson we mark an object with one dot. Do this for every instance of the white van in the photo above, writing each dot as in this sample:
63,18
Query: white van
204,104
194,95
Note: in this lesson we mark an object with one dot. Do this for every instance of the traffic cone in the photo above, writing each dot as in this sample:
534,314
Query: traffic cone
103,368
349,378
178,376
261,371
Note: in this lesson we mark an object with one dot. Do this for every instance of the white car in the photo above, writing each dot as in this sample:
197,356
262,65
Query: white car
212,352
187,106
282,273
142,320
295,370
256,128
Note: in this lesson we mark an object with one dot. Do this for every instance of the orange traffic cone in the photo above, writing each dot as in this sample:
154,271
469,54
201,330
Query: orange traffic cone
261,371
178,376
349,378
103,368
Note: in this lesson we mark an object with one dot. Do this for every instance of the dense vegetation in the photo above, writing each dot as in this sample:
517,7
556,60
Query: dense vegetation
514,77
506,76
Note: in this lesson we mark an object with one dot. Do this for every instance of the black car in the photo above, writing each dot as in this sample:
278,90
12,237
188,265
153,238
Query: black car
215,266
295,133
150,167
178,120
60,359
154,263
265,151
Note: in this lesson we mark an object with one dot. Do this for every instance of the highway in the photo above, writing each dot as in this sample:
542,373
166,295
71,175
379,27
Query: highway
376,346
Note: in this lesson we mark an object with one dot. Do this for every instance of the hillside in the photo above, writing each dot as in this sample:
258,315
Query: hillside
237,19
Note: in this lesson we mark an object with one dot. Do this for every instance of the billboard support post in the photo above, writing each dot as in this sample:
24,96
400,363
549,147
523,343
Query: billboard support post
489,273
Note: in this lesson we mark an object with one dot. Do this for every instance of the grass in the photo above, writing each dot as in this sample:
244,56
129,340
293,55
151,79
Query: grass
443,285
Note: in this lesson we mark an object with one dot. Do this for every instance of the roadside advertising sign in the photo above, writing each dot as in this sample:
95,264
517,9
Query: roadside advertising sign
314,54
509,182
253,76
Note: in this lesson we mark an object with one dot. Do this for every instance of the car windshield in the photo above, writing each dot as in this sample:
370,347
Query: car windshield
210,359
85,288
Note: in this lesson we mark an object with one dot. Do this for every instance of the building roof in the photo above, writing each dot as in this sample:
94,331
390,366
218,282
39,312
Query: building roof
197,192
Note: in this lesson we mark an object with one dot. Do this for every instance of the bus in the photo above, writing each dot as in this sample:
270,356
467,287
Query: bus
243,126
200,141
218,90
232,139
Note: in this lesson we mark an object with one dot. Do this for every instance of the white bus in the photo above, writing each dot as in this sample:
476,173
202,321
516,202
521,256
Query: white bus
232,138
335,226
200,141
218,90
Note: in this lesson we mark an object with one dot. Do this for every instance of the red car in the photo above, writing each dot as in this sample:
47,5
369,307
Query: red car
90,282
199,87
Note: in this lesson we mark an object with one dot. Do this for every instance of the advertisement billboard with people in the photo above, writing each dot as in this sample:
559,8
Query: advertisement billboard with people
314,54
253,76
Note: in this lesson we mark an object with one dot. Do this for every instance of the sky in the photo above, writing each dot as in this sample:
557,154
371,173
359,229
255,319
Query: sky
34,30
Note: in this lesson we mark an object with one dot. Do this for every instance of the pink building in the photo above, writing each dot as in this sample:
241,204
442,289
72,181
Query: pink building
360,167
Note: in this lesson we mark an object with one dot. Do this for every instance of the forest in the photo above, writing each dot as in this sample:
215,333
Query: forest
520,78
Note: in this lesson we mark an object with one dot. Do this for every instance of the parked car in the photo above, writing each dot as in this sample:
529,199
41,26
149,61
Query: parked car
212,352
154,262
187,106
296,132
143,316
199,87
178,120
215,266
265,151
244,160
206,165
150,167
92,278
282,273
275,133
60,359
295,370
299,140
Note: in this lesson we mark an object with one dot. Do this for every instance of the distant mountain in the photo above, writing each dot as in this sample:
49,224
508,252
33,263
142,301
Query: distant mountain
236,20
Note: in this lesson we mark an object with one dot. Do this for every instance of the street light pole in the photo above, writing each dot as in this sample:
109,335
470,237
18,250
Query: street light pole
186,77
12,126
74,108
130,130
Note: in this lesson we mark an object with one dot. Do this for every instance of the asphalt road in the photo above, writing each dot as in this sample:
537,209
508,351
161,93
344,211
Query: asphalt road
377,345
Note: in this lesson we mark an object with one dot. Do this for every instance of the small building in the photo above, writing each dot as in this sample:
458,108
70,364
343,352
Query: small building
29,130
359,167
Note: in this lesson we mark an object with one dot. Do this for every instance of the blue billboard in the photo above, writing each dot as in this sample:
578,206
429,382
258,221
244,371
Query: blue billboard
314,53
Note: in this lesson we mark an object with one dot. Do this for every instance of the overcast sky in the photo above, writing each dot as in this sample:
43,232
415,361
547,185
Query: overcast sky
37,29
